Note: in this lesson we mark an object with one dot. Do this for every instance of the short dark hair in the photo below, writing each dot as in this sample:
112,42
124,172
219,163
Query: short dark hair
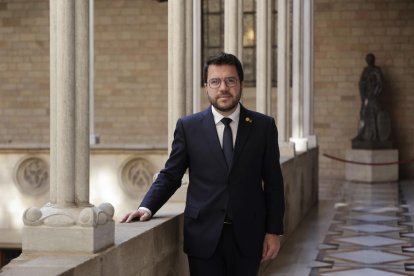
222,58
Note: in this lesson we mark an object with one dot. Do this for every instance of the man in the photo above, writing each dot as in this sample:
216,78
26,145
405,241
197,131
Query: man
235,202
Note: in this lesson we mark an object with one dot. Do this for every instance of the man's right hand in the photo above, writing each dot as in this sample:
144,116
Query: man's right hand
134,215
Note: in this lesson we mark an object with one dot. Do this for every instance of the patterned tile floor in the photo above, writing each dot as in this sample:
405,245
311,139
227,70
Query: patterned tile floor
365,229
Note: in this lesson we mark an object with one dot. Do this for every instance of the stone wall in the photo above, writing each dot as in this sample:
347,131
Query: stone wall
24,71
345,31
131,91
130,71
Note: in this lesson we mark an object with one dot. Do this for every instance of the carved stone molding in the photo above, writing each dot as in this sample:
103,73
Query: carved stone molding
32,175
136,176
71,228
59,217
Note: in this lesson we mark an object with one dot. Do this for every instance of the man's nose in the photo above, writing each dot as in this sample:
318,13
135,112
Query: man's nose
223,85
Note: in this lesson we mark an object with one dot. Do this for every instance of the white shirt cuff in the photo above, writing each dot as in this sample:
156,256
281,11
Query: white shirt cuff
145,210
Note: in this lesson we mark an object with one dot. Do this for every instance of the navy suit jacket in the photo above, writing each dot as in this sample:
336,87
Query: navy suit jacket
252,187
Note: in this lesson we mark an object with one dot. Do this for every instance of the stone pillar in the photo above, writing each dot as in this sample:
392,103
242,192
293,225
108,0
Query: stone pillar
177,80
283,78
231,27
297,96
308,67
53,102
69,222
297,77
80,92
283,69
197,82
240,30
176,64
189,56
93,137
264,58
308,73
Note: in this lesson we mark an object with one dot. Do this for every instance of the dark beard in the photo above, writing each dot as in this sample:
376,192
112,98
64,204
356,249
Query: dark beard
232,107
226,109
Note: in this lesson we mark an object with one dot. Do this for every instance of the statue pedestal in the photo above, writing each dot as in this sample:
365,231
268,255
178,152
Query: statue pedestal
372,173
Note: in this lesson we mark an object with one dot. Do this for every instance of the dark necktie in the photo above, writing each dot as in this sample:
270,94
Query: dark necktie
227,141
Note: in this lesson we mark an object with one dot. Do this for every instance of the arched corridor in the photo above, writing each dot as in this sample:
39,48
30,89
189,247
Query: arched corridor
303,59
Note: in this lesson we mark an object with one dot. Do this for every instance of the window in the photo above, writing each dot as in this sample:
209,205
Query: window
213,36
212,28
249,42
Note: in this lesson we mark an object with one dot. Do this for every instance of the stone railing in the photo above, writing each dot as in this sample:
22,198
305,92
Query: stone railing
154,247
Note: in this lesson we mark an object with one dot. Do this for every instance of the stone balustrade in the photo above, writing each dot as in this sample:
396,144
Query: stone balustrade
141,248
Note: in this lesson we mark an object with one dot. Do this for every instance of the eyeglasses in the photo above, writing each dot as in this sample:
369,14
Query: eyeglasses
215,83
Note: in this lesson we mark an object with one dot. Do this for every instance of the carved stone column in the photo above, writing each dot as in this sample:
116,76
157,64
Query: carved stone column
177,83
297,77
283,78
189,25
308,67
196,74
264,57
69,222
232,34
283,69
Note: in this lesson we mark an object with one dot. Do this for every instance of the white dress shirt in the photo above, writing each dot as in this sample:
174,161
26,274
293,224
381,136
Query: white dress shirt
220,126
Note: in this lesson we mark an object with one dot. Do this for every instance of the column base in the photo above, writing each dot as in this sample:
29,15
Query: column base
77,229
287,149
371,173
301,144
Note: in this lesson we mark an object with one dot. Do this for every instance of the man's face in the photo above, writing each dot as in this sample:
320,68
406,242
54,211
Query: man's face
223,98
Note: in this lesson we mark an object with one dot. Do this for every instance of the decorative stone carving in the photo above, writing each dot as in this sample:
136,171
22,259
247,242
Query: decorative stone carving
57,217
68,228
32,176
136,176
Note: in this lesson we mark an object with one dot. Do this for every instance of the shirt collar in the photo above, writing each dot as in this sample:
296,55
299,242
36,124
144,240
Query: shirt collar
234,116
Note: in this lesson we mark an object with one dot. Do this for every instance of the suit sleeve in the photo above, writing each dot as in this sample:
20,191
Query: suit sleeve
273,183
169,178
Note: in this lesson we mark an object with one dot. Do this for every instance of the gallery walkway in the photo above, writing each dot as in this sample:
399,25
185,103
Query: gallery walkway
356,229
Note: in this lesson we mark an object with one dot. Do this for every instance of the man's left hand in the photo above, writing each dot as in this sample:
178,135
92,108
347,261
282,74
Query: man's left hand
271,246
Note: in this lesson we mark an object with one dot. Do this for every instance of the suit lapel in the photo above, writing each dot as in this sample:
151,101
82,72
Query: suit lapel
243,131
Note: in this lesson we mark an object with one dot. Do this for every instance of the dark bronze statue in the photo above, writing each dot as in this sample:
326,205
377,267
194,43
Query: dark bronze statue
374,125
